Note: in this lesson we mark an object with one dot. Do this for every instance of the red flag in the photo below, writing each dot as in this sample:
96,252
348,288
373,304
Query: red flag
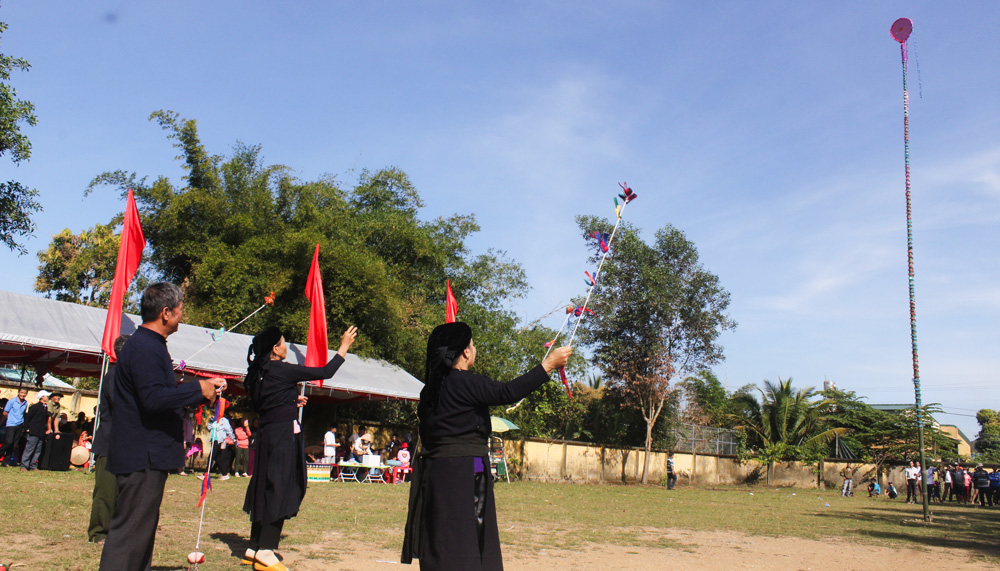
450,305
129,256
317,346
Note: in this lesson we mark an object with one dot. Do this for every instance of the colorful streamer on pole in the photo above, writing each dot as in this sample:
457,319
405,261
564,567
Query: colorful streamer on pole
604,241
901,30
206,484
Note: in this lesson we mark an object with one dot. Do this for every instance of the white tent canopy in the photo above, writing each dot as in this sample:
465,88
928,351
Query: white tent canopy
65,338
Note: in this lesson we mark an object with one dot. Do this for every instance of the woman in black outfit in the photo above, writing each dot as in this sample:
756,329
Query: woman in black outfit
451,523
279,473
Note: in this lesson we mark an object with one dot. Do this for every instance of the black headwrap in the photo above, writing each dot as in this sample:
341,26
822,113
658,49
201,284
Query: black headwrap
258,355
444,346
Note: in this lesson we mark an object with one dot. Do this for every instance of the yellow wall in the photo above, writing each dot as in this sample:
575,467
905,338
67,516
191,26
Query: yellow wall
964,447
562,461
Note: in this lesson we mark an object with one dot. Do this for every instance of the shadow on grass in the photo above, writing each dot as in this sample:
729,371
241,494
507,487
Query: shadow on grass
168,567
236,543
971,530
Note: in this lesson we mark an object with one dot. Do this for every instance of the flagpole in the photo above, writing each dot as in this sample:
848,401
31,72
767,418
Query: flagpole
97,411
302,393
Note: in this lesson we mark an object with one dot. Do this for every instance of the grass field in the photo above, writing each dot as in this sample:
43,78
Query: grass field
45,515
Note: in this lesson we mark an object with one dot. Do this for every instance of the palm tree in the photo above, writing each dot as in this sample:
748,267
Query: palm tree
783,420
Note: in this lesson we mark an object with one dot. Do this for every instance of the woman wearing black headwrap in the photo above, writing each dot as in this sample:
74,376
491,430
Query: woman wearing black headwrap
451,523
279,472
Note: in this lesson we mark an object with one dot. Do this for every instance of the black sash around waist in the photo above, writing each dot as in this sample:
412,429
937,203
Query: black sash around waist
279,414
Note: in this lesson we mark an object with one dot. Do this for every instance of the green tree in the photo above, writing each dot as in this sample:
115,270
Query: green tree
657,315
17,202
988,440
80,268
707,401
785,423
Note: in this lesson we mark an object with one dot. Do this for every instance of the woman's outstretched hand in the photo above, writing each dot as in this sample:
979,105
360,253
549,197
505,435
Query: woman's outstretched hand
346,340
557,358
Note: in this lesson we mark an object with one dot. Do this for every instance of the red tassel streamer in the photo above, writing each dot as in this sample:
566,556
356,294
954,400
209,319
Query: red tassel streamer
565,382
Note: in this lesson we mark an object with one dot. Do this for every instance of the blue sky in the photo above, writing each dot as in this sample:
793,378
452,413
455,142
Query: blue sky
769,132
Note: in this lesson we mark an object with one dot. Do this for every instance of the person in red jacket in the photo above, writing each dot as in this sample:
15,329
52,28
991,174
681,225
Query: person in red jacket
242,449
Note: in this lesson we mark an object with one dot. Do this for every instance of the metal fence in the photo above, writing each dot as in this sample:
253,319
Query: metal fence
704,439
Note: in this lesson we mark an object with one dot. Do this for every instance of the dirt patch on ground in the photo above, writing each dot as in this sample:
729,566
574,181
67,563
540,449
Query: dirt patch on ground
689,550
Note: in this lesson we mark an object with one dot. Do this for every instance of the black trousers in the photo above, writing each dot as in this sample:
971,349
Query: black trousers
129,545
14,436
911,491
223,458
265,536
985,497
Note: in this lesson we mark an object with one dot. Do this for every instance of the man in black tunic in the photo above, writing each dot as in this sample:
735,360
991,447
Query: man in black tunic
145,443
445,530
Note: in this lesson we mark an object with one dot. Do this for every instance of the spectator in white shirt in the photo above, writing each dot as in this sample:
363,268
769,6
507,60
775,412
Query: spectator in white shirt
330,445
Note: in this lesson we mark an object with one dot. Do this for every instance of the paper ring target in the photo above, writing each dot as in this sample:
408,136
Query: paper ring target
901,29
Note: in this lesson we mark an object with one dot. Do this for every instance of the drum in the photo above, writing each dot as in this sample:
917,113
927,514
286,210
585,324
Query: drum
79,456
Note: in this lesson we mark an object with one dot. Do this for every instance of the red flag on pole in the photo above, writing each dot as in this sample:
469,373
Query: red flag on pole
129,256
450,305
317,346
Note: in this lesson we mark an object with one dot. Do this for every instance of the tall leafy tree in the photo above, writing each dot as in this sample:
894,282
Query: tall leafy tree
79,268
785,421
657,316
17,202
988,441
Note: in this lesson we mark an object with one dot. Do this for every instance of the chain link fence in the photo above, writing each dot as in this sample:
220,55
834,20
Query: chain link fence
704,439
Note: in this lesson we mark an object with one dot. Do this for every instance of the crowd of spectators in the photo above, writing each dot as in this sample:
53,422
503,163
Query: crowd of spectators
947,483
30,433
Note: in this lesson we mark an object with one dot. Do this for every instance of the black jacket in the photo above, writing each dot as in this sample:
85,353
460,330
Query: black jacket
147,429
981,479
36,419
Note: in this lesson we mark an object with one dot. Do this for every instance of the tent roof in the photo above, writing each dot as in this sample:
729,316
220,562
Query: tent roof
65,338
48,381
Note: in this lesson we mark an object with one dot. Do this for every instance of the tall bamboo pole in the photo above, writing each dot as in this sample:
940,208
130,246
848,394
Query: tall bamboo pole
900,31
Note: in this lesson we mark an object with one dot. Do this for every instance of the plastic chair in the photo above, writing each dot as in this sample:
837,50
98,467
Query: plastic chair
399,473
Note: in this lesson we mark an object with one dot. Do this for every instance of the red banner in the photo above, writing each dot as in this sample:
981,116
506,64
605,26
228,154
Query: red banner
129,256
450,305
317,347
